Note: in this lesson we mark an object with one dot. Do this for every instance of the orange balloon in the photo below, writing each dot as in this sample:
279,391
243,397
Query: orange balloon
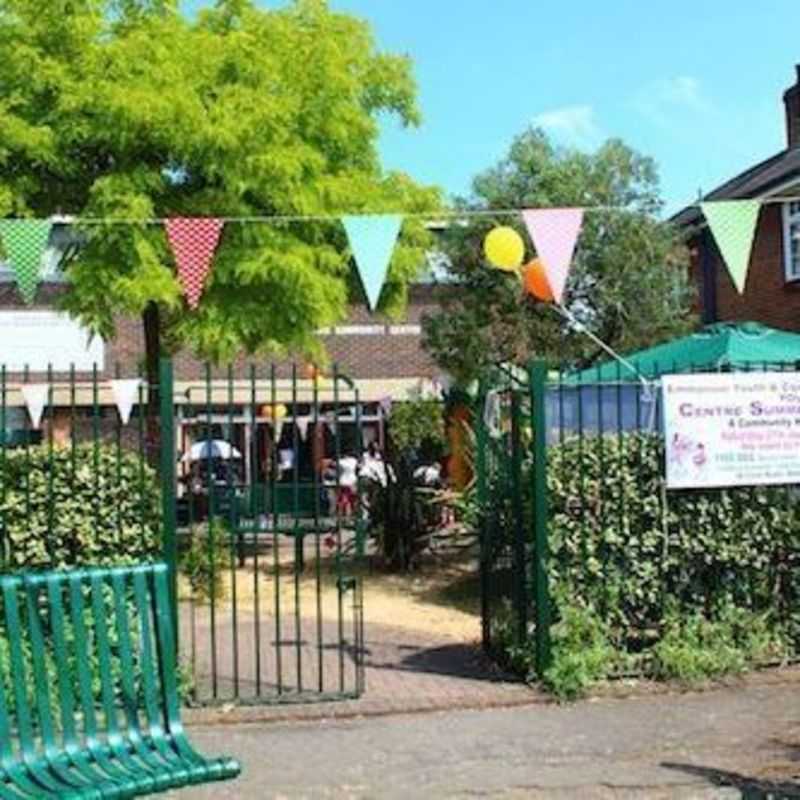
536,283
313,372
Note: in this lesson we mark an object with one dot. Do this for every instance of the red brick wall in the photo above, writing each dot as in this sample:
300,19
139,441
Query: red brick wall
767,298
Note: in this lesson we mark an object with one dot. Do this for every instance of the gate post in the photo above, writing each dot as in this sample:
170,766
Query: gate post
538,386
168,477
482,489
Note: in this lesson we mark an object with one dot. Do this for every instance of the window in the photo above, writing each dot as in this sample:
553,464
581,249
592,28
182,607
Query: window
791,240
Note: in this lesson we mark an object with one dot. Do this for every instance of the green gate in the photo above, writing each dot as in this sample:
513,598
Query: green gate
268,535
511,465
573,498
236,479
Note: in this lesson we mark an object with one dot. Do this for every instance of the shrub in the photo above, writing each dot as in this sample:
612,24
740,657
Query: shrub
518,657
687,585
82,506
582,653
694,649
630,549
205,561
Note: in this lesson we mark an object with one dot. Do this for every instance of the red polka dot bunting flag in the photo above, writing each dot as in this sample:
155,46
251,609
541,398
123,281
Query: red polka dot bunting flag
194,241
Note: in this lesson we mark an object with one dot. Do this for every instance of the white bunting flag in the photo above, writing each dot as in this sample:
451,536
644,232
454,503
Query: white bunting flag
35,395
126,393
302,426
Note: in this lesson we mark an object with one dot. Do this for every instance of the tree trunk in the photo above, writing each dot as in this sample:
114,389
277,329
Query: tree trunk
151,320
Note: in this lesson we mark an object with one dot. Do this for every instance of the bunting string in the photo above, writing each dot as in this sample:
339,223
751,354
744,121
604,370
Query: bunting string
373,237
433,216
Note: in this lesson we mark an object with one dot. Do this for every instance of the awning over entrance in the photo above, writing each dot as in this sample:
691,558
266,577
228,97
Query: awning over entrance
723,346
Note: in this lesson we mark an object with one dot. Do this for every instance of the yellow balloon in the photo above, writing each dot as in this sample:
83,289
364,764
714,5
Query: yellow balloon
277,412
504,248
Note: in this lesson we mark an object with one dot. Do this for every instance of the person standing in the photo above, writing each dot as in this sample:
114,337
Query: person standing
348,480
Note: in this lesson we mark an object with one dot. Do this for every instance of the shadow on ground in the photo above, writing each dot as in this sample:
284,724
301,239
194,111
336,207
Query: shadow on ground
780,781
458,660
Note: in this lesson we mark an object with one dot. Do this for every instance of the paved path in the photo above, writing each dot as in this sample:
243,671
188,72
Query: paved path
667,746
405,671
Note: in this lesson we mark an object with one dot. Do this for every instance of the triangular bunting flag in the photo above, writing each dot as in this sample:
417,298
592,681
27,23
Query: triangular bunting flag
125,393
733,224
554,232
302,426
386,404
372,239
25,241
35,396
194,241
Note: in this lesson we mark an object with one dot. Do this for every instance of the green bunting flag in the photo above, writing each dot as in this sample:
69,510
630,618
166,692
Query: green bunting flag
25,241
733,224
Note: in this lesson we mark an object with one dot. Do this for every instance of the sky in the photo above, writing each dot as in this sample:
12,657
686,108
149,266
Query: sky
696,84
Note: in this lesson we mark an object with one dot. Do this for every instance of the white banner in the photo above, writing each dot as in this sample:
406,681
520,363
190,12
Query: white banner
41,339
732,429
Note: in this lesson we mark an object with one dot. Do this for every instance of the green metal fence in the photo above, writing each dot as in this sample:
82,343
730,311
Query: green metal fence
235,479
78,487
559,463
268,536
515,596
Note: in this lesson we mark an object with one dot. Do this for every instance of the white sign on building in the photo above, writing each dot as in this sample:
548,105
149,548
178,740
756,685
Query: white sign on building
732,429
37,339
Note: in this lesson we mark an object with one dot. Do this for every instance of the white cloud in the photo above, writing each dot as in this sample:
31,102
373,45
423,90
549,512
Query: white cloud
660,101
574,126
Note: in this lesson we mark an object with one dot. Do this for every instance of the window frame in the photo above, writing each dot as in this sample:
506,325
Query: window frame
791,218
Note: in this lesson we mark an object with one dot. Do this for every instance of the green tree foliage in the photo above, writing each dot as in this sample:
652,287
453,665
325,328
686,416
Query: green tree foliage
417,428
628,284
131,109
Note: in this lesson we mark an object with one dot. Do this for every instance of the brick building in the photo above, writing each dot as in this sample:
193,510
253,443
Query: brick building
382,359
772,292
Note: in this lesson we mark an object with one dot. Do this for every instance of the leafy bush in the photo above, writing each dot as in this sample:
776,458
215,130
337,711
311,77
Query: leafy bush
81,506
205,561
694,649
632,550
401,517
582,653
685,585
518,657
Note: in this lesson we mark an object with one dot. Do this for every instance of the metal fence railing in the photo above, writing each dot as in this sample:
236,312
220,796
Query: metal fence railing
615,540
235,479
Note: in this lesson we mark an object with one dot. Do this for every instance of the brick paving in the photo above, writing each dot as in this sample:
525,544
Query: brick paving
405,671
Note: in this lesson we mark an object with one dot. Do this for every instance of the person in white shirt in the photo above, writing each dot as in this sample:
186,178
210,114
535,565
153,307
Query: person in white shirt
348,481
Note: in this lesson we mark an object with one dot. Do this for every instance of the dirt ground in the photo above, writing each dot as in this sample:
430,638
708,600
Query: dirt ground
440,600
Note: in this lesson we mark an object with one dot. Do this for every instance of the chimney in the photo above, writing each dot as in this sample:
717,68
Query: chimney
791,100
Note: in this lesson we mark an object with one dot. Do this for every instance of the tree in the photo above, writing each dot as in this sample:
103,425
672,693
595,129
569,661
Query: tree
130,110
629,282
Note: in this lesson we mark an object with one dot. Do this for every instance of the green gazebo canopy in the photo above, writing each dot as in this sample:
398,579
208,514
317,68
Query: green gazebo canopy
736,346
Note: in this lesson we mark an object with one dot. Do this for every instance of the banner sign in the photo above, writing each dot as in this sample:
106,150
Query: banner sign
732,429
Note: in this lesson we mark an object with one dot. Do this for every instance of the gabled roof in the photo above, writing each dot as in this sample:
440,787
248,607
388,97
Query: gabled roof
757,181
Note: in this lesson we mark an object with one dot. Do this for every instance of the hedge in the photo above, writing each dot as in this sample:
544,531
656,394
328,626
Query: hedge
680,584
628,548
89,505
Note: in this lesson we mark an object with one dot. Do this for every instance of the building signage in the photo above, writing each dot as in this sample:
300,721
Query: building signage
38,339
732,429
